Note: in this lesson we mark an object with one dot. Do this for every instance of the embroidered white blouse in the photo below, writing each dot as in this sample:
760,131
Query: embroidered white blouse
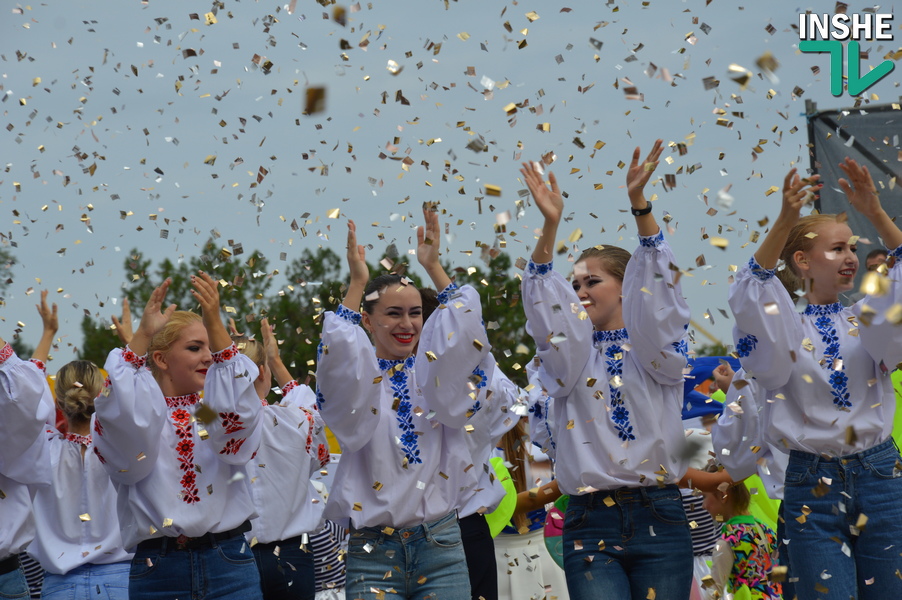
175,475
739,439
404,456
23,457
482,434
827,370
76,516
617,395
292,448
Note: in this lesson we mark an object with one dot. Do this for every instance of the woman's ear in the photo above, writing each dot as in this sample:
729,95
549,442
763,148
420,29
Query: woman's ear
800,259
365,321
159,358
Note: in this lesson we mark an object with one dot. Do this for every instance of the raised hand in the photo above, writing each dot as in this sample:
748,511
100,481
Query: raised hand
271,350
51,325
548,199
206,292
429,238
638,174
797,192
153,319
723,376
860,188
360,272
124,323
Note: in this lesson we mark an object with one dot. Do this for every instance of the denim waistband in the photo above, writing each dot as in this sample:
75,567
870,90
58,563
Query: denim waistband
806,458
624,495
406,533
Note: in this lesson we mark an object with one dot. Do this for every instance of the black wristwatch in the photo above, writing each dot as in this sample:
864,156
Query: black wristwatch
638,212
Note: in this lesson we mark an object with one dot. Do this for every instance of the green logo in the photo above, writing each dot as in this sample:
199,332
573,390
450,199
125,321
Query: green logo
857,83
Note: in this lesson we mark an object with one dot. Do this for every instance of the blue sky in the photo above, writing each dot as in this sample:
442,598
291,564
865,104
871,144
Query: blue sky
134,97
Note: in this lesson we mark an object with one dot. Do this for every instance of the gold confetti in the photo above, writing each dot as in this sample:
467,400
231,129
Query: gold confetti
314,100
532,16
492,190
333,213
85,517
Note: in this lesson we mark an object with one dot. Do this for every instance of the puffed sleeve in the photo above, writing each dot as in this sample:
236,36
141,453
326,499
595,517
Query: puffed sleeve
767,329
453,345
559,325
22,389
737,429
505,396
129,419
302,398
881,335
541,419
348,380
654,311
229,392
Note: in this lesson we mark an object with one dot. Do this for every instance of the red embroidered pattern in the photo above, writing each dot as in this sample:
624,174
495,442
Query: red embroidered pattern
232,446
179,401
39,364
132,358
84,440
231,422
323,455
99,456
225,354
98,428
184,429
288,387
5,353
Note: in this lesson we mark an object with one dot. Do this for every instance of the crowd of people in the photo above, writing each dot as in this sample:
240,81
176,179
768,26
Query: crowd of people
171,476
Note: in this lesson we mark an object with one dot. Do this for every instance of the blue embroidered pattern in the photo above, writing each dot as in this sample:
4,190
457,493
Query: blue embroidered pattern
611,335
480,380
320,399
682,348
401,392
819,310
897,253
745,345
760,272
839,381
619,415
445,295
539,269
651,241
346,313
539,410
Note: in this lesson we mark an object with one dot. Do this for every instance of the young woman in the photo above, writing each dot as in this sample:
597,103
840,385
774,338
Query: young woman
179,460
612,348
827,370
24,461
292,449
399,416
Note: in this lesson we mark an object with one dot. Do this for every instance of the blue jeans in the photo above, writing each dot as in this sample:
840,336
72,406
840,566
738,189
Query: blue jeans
829,555
88,582
288,576
425,562
223,571
13,585
618,544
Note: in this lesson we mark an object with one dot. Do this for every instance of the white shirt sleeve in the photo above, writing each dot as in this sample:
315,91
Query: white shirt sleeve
654,311
348,380
737,429
130,414
303,398
452,345
559,325
767,328
880,334
229,392
541,421
22,386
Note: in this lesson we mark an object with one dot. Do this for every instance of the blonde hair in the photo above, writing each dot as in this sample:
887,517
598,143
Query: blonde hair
513,443
76,386
613,259
737,497
251,349
800,239
166,337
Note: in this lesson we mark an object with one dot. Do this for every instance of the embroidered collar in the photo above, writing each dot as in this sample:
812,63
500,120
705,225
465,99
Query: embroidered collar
610,335
84,440
179,401
393,365
823,309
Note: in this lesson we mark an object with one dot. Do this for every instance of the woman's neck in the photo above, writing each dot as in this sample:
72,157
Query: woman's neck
79,426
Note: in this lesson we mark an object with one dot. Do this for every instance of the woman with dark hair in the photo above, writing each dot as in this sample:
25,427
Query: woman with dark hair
399,414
